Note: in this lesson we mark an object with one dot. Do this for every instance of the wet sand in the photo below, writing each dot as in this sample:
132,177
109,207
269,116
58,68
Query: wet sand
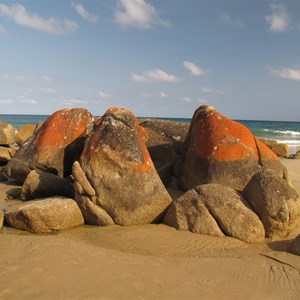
145,262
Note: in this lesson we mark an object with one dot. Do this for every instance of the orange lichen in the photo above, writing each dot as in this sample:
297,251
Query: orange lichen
265,152
221,138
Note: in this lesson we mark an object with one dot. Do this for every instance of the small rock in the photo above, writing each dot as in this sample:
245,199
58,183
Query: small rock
6,153
280,149
24,133
40,184
295,246
7,134
45,215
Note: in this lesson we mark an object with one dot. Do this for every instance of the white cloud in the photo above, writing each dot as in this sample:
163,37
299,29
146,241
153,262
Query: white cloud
47,78
18,78
84,13
187,99
279,20
42,89
105,95
138,14
163,95
73,102
194,69
225,18
190,100
21,16
156,75
209,90
287,73
6,101
29,101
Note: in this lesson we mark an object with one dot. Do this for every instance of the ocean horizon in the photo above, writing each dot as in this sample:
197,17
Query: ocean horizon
287,132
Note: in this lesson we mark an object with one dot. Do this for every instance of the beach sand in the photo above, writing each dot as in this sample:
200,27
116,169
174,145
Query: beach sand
145,262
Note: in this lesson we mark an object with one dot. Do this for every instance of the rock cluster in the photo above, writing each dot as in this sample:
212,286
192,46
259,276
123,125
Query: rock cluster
115,170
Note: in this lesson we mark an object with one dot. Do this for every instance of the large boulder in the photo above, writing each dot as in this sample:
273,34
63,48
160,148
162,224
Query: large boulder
54,146
7,134
274,201
213,209
45,215
39,184
220,150
24,133
116,181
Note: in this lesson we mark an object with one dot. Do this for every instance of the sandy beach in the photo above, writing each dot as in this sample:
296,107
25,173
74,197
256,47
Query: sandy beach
145,262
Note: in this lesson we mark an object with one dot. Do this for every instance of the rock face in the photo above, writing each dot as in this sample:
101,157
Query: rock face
295,246
45,215
274,201
219,150
24,133
281,150
213,209
40,184
116,181
55,145
7,134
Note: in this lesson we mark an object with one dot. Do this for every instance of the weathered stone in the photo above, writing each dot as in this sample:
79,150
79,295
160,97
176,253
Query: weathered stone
295,246
280,149
220,150
45,215
24,133
275,202
40,184
117,175
54,146
189,213
1,219
214,209
6,153
7,134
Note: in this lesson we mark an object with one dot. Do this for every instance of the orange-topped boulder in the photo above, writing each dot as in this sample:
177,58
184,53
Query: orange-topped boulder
54,146
220,150
115,180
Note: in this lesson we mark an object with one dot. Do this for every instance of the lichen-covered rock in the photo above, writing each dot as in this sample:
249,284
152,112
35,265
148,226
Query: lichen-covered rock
220,150
7,134
274,201
295,246
45,215
24,133
214,209
40,184
116,181
54,146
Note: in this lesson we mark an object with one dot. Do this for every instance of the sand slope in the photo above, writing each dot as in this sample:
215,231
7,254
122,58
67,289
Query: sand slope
145,262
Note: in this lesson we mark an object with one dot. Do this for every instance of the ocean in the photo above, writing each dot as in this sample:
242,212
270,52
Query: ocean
283,132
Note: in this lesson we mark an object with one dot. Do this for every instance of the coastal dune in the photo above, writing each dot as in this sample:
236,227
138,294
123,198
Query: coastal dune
145,262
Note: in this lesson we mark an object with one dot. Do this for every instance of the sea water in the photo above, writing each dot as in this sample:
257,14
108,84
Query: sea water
283,132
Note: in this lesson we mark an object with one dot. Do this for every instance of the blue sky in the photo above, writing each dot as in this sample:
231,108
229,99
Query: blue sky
158,58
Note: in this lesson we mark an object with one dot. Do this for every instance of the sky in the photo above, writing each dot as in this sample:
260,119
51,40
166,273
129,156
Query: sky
159,58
